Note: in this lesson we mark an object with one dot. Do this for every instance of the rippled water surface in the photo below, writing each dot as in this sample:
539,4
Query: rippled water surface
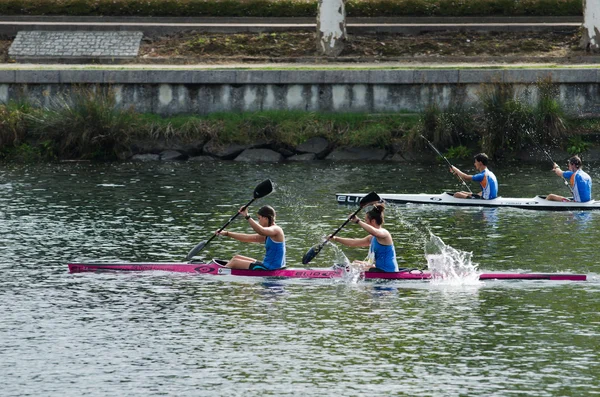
162,333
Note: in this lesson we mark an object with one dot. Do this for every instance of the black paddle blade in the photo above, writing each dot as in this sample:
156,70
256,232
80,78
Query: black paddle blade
263,189
311,253
369,198
195,250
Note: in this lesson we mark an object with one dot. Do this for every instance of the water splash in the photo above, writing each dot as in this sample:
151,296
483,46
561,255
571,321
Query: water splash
449,265
339,258
351,274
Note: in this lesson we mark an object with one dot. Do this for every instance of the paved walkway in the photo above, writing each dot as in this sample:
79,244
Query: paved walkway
39,45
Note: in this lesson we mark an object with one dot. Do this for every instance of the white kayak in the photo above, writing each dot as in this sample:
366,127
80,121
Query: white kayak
534,203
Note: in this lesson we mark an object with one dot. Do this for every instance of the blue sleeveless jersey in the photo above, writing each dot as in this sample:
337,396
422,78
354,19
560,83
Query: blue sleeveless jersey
275,255
581,183
385,256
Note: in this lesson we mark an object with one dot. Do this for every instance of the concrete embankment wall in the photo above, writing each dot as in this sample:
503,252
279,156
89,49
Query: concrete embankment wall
206,91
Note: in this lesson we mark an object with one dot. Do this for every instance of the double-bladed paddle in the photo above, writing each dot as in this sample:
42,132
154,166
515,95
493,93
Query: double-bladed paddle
314,250
448,162
535,142
262,190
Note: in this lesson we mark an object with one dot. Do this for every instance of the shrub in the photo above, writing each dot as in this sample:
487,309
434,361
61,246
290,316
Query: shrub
451,126
577,145
456,122
550,119
12,124
458,152
86,125
429,125
505,120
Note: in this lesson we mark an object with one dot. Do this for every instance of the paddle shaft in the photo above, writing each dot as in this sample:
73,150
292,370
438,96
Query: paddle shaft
343,224
229,221
263,189
448,162
314,251
337,231
535,142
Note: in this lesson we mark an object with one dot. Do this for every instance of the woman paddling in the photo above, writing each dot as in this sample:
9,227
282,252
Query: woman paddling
267,232
382,253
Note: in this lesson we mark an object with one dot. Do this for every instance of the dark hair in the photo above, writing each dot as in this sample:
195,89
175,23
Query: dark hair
377,213
576,161
482,158
268,212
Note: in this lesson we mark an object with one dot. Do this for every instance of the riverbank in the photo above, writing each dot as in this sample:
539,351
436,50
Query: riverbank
88,126
393,87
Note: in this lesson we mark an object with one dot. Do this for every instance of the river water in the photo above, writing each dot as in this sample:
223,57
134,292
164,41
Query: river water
163,333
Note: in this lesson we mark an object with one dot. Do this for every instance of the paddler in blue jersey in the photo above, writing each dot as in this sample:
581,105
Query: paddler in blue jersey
382,254
267,232
486,178
580,182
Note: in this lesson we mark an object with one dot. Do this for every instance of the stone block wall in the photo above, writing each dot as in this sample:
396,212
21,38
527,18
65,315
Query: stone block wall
172,92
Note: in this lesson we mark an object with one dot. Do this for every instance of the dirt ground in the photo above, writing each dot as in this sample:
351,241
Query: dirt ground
4,46
196,47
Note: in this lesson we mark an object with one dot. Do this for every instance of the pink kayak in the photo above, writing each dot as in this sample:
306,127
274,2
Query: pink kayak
218,269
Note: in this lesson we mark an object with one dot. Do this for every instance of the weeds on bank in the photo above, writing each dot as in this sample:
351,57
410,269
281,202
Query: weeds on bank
549,115
289,8
12,123
500,122
90,125
577,145
86,125
509,121
505,120
451,126
459,152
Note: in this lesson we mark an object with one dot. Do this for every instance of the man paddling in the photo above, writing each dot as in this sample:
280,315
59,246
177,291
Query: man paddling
580,182
267,232
485,177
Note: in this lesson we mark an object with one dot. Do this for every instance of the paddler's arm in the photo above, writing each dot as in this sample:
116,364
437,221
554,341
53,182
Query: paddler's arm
458,172
557,170
271,231
381,234
353,242
243,237
257,238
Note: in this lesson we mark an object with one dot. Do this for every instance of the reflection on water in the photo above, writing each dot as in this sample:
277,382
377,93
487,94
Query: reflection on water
490,218
158,333
582,220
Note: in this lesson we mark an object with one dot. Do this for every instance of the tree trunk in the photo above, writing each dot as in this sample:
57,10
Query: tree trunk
331,27
590,38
